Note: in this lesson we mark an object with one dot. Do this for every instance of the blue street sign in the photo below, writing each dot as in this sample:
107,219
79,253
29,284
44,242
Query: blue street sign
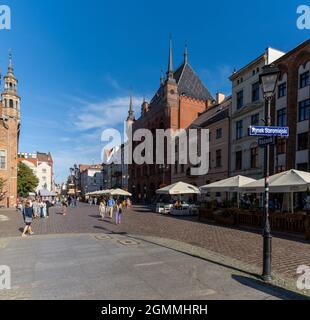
262,142
268,131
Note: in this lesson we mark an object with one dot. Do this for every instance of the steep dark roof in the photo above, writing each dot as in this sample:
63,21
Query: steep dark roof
190,84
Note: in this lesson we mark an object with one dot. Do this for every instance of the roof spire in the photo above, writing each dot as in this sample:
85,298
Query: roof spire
10,67
131,115
170,68
185,53
162,77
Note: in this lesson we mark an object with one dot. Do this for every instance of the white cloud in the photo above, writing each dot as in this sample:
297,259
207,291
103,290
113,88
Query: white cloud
108,113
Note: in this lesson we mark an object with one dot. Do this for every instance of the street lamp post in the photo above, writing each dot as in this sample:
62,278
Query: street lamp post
268,79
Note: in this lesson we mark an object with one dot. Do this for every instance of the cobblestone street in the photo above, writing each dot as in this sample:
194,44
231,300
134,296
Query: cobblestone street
242,245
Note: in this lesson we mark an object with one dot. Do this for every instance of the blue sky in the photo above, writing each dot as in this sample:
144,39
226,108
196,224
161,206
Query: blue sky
77,61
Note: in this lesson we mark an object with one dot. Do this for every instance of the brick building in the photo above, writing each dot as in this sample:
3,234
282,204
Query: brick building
217,119
176,104
9,137
291,107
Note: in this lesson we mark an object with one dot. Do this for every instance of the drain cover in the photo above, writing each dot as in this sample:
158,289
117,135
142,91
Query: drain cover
128,242
103,237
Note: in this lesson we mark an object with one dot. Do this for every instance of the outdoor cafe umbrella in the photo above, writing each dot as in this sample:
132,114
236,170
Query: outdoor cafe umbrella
284,182
119,192
179,188
232,184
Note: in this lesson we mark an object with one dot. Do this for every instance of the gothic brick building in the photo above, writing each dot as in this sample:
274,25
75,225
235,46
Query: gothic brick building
9,137
175,105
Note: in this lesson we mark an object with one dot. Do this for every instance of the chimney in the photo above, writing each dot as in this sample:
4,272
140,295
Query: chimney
220,97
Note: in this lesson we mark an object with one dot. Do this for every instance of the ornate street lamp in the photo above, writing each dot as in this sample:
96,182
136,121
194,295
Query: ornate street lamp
268,79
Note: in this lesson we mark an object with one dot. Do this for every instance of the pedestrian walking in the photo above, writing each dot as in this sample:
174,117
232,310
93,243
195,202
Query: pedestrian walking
64,207
90,201
128,203
95,201
28,215
36,209
44,210
102,209
40,205
119,211
111,204
48,205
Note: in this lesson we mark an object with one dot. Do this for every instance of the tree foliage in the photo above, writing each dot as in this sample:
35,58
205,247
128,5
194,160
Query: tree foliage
26,180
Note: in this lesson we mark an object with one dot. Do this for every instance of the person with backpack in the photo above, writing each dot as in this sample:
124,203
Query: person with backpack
28,216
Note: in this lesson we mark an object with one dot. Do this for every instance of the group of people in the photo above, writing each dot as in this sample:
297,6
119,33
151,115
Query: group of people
108,207
33,209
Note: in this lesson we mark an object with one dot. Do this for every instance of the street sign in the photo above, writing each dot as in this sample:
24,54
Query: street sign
268,131
262,142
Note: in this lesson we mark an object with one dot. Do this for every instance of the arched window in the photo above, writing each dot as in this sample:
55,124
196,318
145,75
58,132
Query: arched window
11,103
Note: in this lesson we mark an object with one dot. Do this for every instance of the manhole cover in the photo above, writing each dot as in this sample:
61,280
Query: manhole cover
103,237
128,242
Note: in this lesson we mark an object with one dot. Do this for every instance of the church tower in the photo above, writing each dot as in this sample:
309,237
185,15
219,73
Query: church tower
9,135
10,98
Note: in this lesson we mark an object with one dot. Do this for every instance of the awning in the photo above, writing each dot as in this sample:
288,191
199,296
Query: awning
232,184
287,181
179,188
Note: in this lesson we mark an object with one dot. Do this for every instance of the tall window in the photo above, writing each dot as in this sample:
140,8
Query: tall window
281,117
239,99
304,79
255,91
218,158
282,90
280,169
11,103
303,110
239,160
255,119
254,157
239,129
280,145
302,141
218,133
3,159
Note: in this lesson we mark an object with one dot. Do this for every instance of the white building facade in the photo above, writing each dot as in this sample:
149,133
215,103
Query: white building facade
42,166
248,109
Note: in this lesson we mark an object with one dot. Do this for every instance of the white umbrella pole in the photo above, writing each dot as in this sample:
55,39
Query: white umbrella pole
238,200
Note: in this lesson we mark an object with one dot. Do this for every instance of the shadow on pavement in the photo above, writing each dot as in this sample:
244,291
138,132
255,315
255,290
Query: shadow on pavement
108,231
271,289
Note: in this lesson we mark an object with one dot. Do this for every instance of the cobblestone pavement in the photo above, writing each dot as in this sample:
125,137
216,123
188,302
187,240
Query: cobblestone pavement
242,245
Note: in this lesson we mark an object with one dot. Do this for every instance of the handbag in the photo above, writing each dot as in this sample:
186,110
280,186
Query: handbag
28,219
